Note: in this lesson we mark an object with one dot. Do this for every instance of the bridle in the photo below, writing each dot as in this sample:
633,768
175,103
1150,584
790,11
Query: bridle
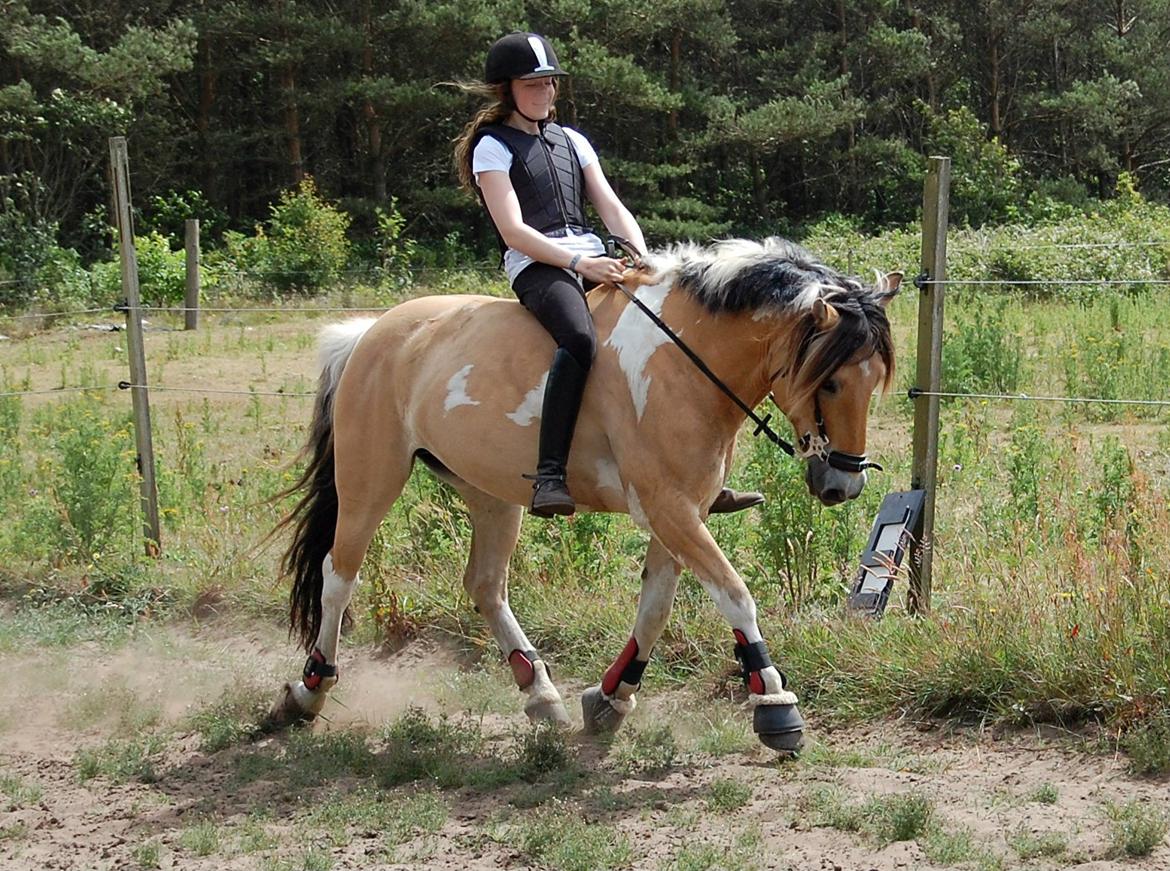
808,446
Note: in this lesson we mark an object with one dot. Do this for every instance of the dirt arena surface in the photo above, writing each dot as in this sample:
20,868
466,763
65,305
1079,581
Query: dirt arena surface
719,800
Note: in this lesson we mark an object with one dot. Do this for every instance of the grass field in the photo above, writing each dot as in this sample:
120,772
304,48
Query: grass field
145,678
1052,592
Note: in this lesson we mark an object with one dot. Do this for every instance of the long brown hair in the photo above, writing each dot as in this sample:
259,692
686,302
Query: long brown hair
496,112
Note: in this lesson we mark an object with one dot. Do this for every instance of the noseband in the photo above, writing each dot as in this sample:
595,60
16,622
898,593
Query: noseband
810,446
819,446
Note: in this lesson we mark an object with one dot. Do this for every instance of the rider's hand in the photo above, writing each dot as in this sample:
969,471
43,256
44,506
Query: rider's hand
601,270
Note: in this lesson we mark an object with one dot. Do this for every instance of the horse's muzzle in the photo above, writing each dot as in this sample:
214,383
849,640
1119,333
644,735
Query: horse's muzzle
832,486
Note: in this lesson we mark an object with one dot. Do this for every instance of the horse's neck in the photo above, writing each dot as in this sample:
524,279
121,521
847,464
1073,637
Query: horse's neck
732,345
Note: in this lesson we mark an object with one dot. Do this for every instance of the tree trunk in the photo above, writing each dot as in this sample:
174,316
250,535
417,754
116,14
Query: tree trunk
850,181
287,76
292,121
759,187
995,87
672,118
931,79
376,164
207,83
567,84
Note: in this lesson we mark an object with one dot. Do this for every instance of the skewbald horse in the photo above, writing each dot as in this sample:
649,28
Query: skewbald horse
457,382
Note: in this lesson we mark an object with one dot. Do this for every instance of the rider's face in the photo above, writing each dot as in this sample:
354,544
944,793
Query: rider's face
535,97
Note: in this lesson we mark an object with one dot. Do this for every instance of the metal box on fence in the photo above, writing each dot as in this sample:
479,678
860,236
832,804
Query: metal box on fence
889,543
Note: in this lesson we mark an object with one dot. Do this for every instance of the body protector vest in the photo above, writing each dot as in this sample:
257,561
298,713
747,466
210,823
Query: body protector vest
546,176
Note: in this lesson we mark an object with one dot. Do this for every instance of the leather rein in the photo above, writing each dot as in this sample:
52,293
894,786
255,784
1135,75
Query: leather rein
808,445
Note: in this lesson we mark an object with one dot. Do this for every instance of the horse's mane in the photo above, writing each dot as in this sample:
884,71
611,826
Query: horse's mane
741,275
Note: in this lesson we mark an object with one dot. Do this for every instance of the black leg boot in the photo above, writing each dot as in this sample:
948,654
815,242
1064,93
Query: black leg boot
558,417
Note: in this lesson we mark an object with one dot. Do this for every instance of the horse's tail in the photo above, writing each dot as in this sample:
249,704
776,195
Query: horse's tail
314,518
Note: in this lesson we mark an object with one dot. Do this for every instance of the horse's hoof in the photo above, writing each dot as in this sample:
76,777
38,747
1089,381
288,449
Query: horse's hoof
548,711
779,727
601,717
287,712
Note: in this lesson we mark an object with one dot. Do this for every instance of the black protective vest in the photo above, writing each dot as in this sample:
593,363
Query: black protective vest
546,176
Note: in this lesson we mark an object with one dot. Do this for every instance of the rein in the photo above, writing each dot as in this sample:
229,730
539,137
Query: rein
809,445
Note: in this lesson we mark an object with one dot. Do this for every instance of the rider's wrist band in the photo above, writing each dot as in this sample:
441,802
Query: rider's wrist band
572,267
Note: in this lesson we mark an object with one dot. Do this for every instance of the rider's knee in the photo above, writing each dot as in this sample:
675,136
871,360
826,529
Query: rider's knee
581,347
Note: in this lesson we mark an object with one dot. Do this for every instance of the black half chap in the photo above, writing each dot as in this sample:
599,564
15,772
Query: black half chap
556,300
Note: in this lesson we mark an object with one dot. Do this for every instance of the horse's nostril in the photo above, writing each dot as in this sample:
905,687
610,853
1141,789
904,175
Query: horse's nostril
833,496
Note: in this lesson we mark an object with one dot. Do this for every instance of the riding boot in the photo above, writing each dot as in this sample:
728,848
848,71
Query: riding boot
562,401
729,501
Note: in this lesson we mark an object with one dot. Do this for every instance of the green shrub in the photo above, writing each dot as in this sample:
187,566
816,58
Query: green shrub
25,238
557,837
1135,829
542,750
169,212
395,250
86,501
1036,845
981,354
803,549
1148,747
728,795
901,817
1027,456
648,752
162,273
305,247
985,178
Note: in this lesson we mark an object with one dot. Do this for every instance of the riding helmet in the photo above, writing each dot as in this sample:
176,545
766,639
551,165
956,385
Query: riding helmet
521,56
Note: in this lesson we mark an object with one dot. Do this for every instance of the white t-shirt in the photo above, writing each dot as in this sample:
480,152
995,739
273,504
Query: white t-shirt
491,155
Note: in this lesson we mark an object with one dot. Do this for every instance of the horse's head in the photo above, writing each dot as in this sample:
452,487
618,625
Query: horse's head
836,355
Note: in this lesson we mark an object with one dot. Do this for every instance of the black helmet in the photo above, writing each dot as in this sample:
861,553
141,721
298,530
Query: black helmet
520,56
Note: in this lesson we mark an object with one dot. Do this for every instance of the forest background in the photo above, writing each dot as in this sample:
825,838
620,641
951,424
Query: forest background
713,117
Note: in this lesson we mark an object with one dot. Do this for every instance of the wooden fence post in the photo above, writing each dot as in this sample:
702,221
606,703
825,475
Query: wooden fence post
191,295
924,472
148,489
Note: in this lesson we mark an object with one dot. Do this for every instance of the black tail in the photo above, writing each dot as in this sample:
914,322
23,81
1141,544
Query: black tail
314,522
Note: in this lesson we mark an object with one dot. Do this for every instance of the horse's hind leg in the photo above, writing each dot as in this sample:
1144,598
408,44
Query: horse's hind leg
366,489
495,529
606,705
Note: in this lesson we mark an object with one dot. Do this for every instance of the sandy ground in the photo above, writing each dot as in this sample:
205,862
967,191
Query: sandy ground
62,701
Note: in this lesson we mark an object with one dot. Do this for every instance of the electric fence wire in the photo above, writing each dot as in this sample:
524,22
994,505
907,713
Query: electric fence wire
914,393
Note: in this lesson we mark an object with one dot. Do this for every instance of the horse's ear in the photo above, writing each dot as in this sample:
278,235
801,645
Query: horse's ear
888,286
824,315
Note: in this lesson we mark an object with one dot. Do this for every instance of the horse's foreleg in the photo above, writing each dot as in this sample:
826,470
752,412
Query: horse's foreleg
606,705
495,530
776,721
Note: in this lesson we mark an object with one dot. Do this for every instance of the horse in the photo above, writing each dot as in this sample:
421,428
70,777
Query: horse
456,383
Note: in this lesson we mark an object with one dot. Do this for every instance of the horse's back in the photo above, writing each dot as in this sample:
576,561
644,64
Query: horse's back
461,377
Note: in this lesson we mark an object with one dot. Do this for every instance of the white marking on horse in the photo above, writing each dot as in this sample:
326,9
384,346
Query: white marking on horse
636,338
608,475
457,390
529,408
634,506
864,364
335,595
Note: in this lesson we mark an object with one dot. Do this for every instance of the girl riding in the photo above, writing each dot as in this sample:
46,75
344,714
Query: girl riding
533,177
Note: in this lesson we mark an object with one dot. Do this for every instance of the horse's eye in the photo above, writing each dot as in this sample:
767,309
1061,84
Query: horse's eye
830,386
